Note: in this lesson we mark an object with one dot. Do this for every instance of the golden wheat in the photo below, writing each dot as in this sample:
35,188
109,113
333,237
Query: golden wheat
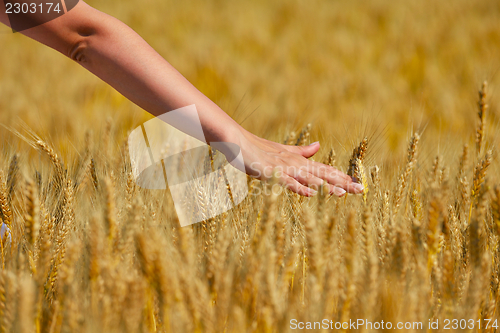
88,250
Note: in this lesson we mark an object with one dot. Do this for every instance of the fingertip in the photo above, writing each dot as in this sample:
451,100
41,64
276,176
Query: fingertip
314,144
356,188
340,192
309,192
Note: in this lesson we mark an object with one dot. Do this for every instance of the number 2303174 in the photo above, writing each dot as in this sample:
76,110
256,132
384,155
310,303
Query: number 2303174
453,324
32,8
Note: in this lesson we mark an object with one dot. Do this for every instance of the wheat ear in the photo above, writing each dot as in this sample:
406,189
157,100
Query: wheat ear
482,108
356,167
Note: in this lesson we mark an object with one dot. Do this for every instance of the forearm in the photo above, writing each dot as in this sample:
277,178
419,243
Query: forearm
115,53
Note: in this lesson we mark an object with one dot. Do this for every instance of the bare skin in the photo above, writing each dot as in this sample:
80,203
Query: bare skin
115,53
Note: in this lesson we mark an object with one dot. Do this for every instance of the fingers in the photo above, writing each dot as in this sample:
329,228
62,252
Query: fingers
311,181
305,177
306,151
334,177
293,185
304,183
299,185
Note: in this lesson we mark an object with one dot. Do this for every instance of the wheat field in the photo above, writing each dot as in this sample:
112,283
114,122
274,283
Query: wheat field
390,89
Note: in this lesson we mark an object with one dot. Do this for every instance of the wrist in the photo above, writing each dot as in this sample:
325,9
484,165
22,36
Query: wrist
231,141
231,132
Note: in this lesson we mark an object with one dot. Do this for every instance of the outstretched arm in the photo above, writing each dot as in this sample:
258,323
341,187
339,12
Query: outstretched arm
119,56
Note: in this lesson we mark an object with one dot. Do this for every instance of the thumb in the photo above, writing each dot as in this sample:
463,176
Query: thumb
306,151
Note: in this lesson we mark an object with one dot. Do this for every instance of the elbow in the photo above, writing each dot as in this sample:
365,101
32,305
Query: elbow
78,51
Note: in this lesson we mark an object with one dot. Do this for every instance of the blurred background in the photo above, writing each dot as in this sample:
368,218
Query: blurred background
354,68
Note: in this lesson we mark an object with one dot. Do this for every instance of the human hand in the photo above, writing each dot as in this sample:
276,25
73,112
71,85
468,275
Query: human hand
290,164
